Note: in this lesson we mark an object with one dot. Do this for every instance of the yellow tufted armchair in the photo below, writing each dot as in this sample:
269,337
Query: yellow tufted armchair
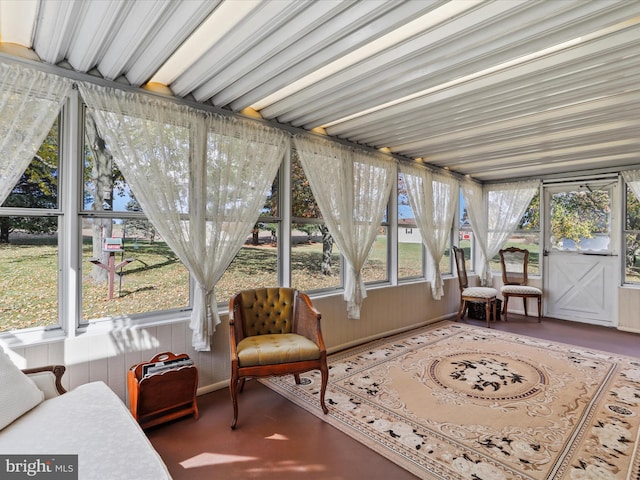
274,331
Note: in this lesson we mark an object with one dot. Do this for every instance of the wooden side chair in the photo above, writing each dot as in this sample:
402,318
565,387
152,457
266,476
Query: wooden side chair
274,331
515,262
486,295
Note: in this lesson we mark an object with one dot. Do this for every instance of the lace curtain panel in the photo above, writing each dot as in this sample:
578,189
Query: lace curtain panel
351,187
29,104
201,179
505,206
433,198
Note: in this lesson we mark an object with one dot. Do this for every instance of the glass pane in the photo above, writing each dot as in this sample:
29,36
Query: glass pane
255,265
445,261
303,203
105,189
315,258
409,252
580,220
28,272
38,185
632,236
128,269
375,268
465,235
527,241
410,249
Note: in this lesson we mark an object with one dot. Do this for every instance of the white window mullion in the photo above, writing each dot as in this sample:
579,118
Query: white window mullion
69,240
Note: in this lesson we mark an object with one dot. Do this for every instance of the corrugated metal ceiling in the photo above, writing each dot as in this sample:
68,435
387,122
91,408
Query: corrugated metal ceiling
493,89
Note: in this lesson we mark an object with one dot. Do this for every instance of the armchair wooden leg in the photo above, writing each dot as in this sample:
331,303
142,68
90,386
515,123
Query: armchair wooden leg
461,310
233,388
505,306
324,371
487,308
296,377
524,299
539,309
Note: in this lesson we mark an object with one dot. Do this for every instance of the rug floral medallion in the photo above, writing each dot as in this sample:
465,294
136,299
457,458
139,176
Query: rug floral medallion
453,401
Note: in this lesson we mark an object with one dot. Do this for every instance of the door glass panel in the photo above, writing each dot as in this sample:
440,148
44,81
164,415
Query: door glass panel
581,220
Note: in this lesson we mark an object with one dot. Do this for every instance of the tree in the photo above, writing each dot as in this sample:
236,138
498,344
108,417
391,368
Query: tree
37,188
101,178
578,215
303,205
138,227
531,218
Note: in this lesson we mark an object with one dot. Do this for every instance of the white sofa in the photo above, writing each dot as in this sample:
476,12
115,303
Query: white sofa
89,421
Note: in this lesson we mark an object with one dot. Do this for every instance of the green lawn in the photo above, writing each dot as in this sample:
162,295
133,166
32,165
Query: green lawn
156,280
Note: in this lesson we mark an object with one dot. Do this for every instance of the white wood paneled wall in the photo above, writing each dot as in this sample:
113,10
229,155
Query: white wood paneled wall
388,310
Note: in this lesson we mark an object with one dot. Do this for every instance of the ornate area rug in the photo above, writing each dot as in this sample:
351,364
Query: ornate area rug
453,401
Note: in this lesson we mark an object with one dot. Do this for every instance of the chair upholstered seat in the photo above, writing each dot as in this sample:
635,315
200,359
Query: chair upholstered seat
480,292
520,290
275,349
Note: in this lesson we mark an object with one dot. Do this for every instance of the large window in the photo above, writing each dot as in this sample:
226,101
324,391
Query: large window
127,268
29,231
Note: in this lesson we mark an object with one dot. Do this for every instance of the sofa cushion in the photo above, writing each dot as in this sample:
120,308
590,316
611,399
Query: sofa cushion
92,422
18,394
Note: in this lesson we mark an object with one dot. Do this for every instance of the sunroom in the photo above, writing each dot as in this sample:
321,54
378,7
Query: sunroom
159,156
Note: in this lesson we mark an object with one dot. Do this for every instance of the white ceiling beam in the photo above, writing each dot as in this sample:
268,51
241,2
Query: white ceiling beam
248,38
438,121
554,64
224,19
372,56
166,37
130,35
453,51
55,29
316,30
95,30
333,40
559,166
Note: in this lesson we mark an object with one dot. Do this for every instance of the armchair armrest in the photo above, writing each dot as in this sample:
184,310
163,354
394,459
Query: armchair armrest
48,379
307,320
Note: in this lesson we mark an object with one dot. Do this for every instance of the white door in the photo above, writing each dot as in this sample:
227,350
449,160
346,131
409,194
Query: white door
582,267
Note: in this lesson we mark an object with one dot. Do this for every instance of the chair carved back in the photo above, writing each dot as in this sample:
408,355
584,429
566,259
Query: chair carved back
461,267
514,262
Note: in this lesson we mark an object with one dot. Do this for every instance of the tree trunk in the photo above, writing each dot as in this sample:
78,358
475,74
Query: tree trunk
5,229
327,250
101,178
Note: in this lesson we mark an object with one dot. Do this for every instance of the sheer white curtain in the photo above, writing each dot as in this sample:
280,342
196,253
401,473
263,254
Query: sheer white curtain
201,178
494,212
632,179
351,187
433,197
29,104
